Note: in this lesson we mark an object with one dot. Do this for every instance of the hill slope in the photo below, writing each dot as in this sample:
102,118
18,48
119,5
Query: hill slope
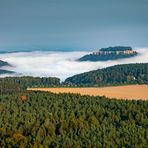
115,75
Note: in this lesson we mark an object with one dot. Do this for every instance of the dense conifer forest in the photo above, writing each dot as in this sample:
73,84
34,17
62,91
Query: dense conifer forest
68,120
115,75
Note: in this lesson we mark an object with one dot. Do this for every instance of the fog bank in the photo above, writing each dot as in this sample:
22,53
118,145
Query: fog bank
60,64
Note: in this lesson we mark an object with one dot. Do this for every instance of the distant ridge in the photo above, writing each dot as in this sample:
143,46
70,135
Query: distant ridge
2,71
3,63
110,53
39,50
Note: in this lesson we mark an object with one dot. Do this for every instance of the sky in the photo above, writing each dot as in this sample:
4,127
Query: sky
72,24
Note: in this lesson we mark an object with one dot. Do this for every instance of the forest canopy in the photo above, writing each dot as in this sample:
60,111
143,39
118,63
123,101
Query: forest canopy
68,120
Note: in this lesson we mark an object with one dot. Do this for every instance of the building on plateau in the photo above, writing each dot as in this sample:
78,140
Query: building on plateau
114,52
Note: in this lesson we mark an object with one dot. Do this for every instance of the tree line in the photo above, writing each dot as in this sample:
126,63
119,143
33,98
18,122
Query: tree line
10,85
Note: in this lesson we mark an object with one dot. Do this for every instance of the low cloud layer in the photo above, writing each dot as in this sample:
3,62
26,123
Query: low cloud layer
59,64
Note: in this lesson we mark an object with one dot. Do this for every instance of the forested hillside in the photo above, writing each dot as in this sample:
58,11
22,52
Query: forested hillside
68,120
115,75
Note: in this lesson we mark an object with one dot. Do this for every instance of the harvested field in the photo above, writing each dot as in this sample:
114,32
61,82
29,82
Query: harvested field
120,92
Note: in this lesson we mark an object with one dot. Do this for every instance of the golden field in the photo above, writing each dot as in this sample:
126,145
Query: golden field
120,92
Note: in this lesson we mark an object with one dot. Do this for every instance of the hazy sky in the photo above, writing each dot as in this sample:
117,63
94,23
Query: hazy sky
73,24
